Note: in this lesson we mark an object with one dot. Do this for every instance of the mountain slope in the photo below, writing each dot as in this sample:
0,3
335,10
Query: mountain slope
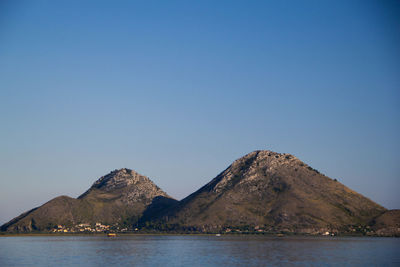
119,197
272,191
387,224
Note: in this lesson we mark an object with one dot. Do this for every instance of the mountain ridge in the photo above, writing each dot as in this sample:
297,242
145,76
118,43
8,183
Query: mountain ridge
263,191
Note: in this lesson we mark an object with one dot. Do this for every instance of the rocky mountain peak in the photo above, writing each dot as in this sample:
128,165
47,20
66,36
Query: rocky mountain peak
119,178
269,156
255,165
129,184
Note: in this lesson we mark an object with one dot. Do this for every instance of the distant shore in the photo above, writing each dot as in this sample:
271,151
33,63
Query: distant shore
188,234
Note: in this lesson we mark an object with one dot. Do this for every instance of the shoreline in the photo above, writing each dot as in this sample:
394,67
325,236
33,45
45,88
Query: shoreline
277,235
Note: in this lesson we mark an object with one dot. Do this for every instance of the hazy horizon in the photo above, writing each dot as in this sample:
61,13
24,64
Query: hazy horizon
179,90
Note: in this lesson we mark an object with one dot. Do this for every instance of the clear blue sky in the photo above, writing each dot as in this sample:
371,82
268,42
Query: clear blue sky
177,90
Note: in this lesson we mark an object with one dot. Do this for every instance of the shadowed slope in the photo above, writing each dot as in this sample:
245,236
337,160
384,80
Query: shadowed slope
387,224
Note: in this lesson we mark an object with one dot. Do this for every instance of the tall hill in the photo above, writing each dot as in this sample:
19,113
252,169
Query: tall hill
270,191
119,197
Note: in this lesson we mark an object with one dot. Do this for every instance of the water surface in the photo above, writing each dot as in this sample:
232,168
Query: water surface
148,250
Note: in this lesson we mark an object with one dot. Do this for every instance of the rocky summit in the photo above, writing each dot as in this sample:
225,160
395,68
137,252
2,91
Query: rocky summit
262,192
127,186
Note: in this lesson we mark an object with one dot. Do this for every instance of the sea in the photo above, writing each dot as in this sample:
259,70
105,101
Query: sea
198,250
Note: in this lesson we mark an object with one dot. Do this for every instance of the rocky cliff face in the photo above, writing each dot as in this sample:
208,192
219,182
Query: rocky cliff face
272,192
119,197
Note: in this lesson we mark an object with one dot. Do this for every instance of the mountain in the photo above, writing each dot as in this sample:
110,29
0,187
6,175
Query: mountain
271,192
263,191
120,197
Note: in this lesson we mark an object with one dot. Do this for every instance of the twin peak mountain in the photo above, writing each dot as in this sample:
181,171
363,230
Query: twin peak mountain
263,191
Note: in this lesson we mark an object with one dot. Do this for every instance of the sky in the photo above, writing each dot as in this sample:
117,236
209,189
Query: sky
177,90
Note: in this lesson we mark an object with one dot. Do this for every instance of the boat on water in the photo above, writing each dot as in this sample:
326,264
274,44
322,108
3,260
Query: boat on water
111,234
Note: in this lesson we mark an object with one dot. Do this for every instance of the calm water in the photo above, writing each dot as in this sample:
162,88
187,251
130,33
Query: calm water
198,251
